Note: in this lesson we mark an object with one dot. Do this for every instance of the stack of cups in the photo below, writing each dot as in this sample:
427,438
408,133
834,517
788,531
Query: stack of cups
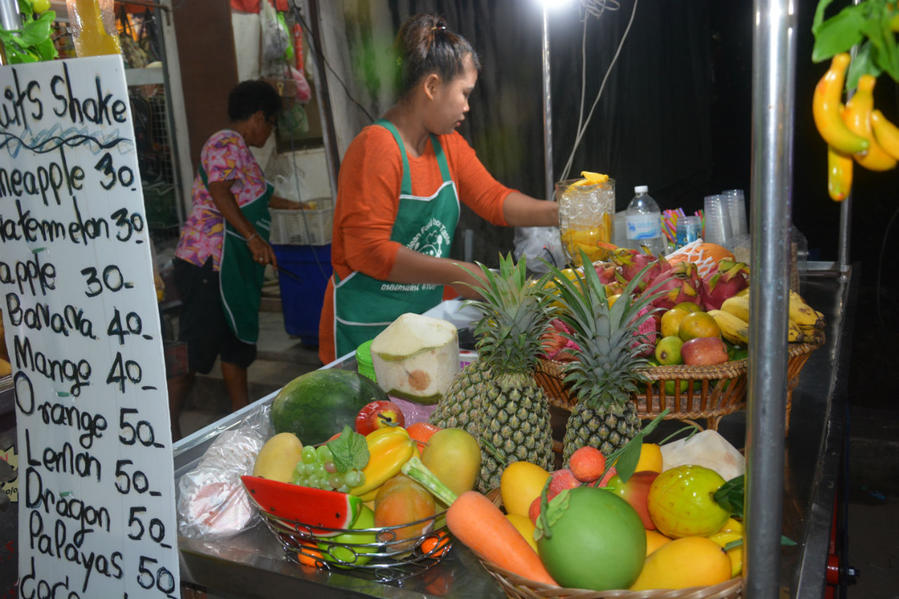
736,210
717,221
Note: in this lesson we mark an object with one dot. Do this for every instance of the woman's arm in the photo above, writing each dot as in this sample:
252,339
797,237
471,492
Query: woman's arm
413,267
226,203
279,203
521,210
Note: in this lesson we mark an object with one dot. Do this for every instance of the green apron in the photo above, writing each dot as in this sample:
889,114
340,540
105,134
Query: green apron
364,306
240,277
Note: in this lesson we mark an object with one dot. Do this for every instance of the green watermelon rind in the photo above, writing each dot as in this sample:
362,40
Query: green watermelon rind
318,404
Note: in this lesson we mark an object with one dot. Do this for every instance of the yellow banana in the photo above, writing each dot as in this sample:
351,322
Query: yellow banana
794,333
886,133
803,314
735,330
742,292
839,174
827,109
857,116
737,305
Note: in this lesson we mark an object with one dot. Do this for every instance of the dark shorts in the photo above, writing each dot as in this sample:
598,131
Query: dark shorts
202,323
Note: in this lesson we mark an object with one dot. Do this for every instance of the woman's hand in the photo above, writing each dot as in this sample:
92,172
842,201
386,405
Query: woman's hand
262,251
279,203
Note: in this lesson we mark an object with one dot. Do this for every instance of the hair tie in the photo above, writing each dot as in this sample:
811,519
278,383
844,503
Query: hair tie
438,27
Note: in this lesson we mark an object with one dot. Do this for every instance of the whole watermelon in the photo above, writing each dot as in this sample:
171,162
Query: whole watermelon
318,404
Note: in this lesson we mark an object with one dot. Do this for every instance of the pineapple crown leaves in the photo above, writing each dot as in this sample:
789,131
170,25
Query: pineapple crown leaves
608,366
515,312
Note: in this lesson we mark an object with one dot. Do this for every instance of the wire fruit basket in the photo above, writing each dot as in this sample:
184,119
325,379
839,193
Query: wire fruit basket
691,393
388,555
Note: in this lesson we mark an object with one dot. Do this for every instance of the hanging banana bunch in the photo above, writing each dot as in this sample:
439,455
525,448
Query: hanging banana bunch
856,132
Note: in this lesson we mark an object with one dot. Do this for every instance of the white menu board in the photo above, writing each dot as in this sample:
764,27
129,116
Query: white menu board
96,481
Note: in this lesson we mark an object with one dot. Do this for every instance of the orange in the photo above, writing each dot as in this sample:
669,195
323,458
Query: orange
698,324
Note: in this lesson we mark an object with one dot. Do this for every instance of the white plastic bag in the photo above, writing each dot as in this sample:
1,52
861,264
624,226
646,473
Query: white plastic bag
212,501
537,244
274,39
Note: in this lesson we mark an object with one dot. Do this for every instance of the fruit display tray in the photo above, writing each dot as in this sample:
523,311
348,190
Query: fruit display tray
691,393
389,559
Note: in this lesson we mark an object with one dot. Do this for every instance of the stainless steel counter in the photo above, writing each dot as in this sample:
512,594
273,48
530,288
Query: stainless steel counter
251,564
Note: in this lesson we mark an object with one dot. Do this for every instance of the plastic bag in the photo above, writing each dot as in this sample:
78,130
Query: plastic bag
304,92
274,38
212,501
537,244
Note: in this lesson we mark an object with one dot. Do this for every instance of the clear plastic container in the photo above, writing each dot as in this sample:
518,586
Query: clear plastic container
644,222
585,217
93,27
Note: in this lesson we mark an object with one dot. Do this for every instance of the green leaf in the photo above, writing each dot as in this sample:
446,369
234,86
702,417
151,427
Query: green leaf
819,14
35,32
349,450
46,50
733,544
730,496
862,64
838,33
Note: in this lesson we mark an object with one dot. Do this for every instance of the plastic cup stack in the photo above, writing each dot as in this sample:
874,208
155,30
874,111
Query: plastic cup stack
717,221
736,210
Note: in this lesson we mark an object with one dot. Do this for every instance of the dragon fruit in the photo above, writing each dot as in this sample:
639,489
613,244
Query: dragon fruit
728,279
631,262
680,283
556,342
647,333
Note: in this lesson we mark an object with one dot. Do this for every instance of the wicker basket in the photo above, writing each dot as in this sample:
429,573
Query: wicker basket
693,392
518,587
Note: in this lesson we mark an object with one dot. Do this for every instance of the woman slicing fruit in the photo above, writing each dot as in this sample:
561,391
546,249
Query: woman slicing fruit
398,195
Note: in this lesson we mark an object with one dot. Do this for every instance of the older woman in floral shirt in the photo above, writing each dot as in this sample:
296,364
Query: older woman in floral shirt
223,247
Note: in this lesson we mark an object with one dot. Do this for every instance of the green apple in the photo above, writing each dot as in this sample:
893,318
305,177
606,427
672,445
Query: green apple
336,549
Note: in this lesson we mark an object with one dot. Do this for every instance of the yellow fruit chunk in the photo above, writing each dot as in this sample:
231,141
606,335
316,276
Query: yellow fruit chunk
654,540
735,555
683,563
520,483
650,458
732,526
594,178
524,525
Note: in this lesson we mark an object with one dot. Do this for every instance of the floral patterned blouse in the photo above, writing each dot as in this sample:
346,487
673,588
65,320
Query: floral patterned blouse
225,157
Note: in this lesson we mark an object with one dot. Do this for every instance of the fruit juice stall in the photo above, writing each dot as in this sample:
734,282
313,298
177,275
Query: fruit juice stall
792,420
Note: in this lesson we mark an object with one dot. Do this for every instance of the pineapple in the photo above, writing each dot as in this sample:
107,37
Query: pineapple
606,371
495,398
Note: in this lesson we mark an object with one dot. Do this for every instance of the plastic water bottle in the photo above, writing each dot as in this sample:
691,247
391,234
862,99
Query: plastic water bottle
644,222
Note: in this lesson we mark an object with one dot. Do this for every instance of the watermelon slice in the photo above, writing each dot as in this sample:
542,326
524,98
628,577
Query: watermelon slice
315,507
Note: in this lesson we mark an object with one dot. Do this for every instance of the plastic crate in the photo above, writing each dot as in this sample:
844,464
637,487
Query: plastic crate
301,300
311,226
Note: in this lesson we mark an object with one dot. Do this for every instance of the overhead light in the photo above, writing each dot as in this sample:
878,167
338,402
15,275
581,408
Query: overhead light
554,4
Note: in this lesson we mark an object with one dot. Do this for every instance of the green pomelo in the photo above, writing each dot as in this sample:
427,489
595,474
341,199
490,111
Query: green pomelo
318,404
597,540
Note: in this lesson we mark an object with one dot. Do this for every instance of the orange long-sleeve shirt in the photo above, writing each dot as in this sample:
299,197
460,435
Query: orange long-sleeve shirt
368,190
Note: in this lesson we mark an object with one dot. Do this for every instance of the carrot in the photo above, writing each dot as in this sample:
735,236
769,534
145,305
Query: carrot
482,527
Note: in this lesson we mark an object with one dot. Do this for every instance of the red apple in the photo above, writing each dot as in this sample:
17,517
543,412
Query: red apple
378,414
636,492
703,351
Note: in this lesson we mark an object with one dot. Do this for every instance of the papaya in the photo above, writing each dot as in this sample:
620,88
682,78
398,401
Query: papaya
317,404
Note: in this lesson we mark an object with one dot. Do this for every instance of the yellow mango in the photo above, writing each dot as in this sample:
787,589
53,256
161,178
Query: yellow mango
278,457
735,555
683,563
654,540
519,484
524,525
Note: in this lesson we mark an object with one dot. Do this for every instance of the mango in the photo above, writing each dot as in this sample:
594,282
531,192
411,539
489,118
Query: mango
454,457
278,457
520,483
683,563
399,501
524,525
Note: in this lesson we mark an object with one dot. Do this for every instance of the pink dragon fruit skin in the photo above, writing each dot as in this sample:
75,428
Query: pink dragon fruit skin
647,333
606,272
631,262
681,283
728,279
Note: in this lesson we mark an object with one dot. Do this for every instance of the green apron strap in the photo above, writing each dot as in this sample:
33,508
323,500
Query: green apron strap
406,187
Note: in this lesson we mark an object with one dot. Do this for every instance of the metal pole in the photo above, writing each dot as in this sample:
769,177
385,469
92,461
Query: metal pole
547,111
845,224
773,100
9,20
